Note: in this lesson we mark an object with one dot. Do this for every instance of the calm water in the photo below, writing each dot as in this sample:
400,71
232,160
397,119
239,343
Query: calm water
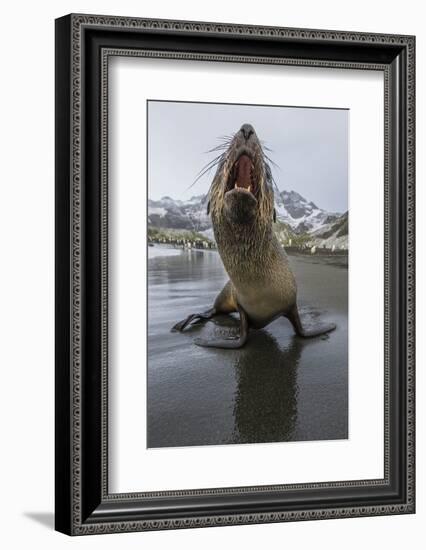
277,388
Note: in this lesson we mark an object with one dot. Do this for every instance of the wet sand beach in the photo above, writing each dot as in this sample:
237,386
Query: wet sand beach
277,388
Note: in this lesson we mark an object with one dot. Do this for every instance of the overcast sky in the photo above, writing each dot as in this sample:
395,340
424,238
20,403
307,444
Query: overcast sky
310,147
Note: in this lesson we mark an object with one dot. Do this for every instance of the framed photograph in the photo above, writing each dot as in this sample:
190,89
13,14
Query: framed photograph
234,274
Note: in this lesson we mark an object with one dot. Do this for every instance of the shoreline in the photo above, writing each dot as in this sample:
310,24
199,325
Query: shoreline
162,248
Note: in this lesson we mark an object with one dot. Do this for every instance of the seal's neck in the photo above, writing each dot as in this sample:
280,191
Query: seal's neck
244,248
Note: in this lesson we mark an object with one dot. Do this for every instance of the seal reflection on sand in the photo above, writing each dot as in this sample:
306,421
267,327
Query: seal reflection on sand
265,406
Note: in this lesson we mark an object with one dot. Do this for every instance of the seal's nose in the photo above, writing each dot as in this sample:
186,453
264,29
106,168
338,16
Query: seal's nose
247,130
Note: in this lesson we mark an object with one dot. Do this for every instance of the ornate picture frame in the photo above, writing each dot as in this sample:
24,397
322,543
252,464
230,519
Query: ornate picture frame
84,45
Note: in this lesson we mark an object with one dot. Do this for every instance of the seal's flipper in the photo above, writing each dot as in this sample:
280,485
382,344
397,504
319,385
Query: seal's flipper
317,330
224,303
228,343
193,319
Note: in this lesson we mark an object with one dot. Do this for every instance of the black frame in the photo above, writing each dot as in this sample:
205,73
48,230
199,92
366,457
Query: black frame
83,45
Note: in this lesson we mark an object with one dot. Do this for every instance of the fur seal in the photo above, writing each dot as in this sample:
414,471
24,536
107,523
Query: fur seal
261,285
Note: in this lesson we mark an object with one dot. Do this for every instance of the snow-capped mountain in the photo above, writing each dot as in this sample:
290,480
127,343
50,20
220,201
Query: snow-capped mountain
333,234
301,215
177,214
291,208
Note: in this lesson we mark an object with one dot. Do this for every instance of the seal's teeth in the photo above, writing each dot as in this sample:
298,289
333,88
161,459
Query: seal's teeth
249,188
235,186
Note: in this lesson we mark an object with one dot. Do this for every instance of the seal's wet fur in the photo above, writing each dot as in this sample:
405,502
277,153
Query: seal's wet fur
261,285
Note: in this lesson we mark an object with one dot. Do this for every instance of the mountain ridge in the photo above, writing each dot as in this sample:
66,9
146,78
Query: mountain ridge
298,218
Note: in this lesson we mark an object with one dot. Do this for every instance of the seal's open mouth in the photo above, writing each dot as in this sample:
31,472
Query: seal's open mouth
242,175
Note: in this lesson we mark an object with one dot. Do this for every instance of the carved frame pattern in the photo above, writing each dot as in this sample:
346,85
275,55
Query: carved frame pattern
77,524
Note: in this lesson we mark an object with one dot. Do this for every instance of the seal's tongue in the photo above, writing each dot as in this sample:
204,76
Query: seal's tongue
243,167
